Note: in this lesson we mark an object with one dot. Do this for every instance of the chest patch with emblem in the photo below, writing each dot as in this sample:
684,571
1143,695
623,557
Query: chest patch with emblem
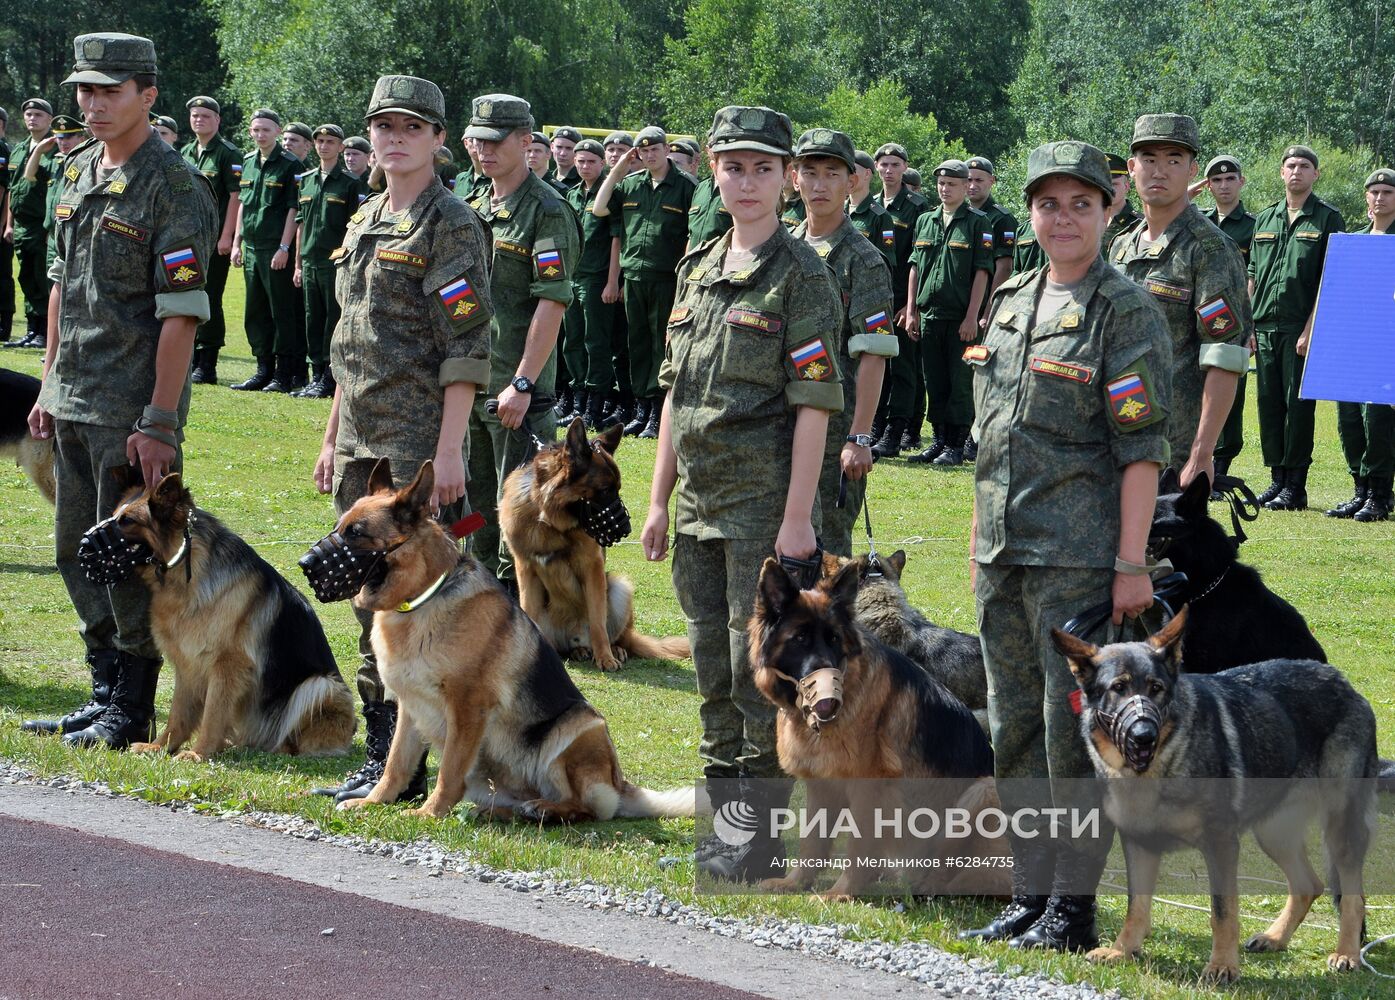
977,354
401,257
1083,374
63,211
811,362
679,314
755,320
126,229
1168,290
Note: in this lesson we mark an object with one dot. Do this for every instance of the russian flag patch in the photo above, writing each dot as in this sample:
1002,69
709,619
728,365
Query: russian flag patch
458,300
878,322
1128,398
182,267
548,264
811,362
986,241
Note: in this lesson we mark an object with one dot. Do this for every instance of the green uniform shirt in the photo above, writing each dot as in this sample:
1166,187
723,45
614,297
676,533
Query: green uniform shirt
1127,218
793,213
133,248
743,351
325,204
946,255
1286,262
469,186
595,233
652,221
1003,225
874,222
536,246
55,188
221,162
268,194
415,292
27,197
1197,276
1027,254
905,210
1238,225
708,218
1063,407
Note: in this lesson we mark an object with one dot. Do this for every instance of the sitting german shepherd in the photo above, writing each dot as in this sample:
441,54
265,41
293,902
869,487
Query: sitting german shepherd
18,393
473,676
852,709
252,667
1195,759
557,514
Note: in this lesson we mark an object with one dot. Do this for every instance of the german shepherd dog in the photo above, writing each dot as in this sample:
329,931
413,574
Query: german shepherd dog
548,506
852,708
18,393
474,677
1280,742
252,667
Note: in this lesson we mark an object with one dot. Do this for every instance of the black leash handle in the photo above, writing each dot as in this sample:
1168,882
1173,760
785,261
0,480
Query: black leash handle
1244,505
533,443
1165,591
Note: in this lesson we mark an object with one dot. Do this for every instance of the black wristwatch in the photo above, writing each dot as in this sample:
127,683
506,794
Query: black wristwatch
522,383
861,440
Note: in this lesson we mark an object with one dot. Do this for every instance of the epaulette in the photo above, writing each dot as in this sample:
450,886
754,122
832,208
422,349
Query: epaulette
698,251
1123,293
229,145
977,211
1014,281
81,147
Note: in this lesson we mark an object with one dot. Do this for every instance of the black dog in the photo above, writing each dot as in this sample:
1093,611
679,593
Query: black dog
18,393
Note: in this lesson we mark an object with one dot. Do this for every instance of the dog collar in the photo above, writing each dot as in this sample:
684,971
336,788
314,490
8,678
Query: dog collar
408,606
183,553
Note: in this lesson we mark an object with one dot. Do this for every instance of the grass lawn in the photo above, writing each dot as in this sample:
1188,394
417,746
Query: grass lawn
248,459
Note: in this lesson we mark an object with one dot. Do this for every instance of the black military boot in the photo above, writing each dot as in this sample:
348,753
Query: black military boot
284,377
1033,863
379,723
937,447
325,390
129,717
317,374
656,412
970,449
196,367
259,380
579,398
1294,495
24,341
562,407
1068,922
624,412
1377,506
763,855
954,447
1278,475
595,410
910,437
6,324
1349,507
641,420
103,665
720,794
889,444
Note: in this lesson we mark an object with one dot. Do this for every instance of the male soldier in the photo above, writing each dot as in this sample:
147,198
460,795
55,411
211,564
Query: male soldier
1197,276
7,277
1003,223
616,145
262,248
24,221
1123,215
298,140
649,211
536,245
684,154
911,178
328,197
951,265
1285,270
826,162
221,162
1224,179
792,209
620,406
136,227
1367,430
564,142
68,134
904,393
590,319
539,157
167,129
471,183
356,152
867,215
708,218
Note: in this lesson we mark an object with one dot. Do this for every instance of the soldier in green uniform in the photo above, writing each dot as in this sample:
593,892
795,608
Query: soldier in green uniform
136,226
298,140
564,143
1197,275
825,162
751,367
24,221
1225,180
167,128
471,183
792,210
982,177
356,153
411,348
1286,257
951,266
1367,430
912,179
590,319
1072,386
539,157
7,250
221,162
1124,216
866,213
262,248
67,134
536,245
708,218
684,154
649,211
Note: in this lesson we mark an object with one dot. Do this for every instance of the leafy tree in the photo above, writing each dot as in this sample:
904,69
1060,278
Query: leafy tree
882,114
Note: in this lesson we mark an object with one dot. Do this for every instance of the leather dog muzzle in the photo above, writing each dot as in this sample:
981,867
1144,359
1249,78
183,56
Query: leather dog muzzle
606,523
820,695
107,556
336,570
1134,730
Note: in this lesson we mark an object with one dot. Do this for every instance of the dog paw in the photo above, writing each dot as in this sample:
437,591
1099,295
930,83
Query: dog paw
785,884
608,663
192,756
1263,942
1342,962
1220,973
352,804
833,896
145,748
429,811
1107,955
579,653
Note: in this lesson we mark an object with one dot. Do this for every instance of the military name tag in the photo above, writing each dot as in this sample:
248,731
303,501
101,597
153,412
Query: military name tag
1266,237
1308,234
977,354
335,199
963,244
518,250
274,184
755,320
673,208
401,257
63,211
1169,291
125,229
1062,369
679,314
336,254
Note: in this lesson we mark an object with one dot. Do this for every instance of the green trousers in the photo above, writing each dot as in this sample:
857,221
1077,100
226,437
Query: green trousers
321,310
838,522
907,380
1367,431
1232,437
591,321
214,334
495,451
32,252
648,301
270,317
7,279
1285,421
948,381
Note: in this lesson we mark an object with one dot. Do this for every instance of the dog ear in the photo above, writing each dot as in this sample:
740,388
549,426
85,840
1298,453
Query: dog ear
170,494
578,448
380,479
1192,504
610,438
842,589
1168,482
416,496
897,561
776,591
1168,640
126,477
1078,653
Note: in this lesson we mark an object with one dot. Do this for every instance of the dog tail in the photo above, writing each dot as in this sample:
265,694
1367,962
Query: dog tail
316,721
981,795
645,802
648,647
36,459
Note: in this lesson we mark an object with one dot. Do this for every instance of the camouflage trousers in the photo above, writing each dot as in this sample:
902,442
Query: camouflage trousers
115,617
716,584
839,522
495,451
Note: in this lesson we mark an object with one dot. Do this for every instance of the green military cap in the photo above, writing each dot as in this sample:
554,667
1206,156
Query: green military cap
268,114
1305,152
495,117
36,103
300,129
328,129
1178,130
590,146
164,121
1223,164
952,168
864,159
651,135
1382,176
911,177
1072,159
204,102
981,163
1118,166
620,138
827,142
359,143
757,129
407,95
686,146
541,138
892,149
67,125
108,58
568,133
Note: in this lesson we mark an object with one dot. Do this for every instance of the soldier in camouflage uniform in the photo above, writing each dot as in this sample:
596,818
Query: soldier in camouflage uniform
825,161
136,227
24,221
1198,278
752,373
411,348
536,244
1072,384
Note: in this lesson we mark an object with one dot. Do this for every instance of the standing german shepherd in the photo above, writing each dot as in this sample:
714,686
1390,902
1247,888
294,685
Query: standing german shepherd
474,678
1195,759
852,709
18,393
252,666
584,612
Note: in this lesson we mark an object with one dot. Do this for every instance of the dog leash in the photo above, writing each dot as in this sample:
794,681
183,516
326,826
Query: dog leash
874,564
1244,505
1165,591
532,443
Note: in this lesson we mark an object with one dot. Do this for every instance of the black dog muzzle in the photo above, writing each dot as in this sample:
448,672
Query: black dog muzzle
606,523
107,556
337,570
1134,729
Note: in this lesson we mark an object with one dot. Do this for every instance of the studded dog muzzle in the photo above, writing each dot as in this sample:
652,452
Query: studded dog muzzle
107,556
337,570
606,523
1134,729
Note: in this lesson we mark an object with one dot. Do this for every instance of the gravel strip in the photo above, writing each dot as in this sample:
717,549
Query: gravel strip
916,961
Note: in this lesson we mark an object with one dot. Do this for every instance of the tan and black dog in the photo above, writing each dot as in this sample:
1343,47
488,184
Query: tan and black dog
252,667
548,505
852,710
472,675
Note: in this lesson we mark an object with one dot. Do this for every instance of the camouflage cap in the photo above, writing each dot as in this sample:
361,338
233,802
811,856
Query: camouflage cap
651,135
620,139
1306,152
1118,165
1178,130
827,142
109,58
407,95
164,121
590,146
204,102
864,159
1223,164
301,129
37,103
67,125
981,163
757,129
494,117
1382,176
268,114
892,149
911,177
359,143
1070,159
568,133
328,129
952,168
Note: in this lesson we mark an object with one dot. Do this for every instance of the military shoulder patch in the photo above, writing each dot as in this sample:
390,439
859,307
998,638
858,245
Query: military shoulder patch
547,265
1216,317
811,362
1009,238
754,319
182,267
1083,374
986,240
1169,291
458,301
1130,403
878,322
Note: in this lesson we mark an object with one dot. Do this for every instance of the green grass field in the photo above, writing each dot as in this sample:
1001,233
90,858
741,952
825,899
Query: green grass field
248,458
